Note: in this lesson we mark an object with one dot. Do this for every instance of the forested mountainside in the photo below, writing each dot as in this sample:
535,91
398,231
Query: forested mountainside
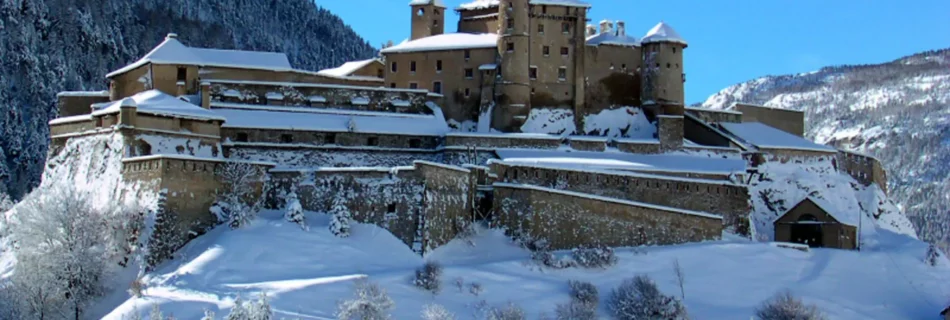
898,112
47,46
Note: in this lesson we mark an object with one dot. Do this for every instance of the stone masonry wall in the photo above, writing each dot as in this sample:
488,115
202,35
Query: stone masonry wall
570,220
448,198
320,96
865,169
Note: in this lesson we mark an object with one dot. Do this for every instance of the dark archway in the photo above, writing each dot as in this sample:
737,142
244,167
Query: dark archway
807,230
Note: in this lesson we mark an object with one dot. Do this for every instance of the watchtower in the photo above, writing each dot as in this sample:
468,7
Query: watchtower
515,84
662,76
428,18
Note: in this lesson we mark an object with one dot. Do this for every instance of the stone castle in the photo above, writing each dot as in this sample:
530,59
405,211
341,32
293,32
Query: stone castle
436,133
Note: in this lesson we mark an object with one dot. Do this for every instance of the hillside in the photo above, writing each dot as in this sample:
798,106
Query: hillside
898,112
56,45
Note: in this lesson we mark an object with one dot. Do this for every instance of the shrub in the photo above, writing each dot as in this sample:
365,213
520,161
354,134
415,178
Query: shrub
460,283
583,292
429,276
594,257
436,312
509,312
340,218
369,302
475,288
294,211
933,256
136,287
575,310
639,298
784,306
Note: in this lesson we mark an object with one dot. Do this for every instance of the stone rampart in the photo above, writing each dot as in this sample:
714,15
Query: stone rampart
866,169
320,96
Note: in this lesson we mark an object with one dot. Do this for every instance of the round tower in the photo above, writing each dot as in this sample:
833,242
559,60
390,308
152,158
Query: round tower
428,18
515,85
662,75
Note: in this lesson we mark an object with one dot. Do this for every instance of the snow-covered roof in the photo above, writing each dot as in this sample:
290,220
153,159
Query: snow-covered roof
662,32
171,51
488,66
437,3
335,121
484,4
622,161
448,41
847,218
347,69
766,137
158,103
83,94
610,38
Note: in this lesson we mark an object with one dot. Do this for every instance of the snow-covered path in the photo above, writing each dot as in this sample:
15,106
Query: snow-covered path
306,272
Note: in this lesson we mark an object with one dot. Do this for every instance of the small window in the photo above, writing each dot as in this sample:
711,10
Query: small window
541,29
286,138
392,85
421,12
546,51
372,141
242,137
668,65
468,92
510,47
533,73
468,54
435,23
544,9
674,49
438,65
413,85
394,67
182,74
437,87
623,67
562,73
566,27
329,138
379,73
437,12
391,208
415,143
565,51
511,23
412,66
469,73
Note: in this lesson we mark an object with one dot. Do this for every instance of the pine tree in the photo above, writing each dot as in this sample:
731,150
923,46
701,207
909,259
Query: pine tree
340,218
239,311
294,212
156,313
165,237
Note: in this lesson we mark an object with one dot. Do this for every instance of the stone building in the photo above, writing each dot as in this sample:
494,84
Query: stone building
809,222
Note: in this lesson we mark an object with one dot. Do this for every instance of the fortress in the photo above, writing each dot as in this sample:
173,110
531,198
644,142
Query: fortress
528,118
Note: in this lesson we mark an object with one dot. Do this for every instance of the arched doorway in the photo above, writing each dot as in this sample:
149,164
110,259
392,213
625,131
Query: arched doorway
807,230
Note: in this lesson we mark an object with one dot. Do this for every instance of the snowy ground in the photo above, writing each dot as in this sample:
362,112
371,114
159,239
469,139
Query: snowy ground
307,272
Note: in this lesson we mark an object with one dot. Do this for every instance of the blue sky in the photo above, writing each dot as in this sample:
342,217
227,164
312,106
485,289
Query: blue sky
732,41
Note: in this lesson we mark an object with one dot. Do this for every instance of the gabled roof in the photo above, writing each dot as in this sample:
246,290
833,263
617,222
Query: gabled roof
347,69
437,3
610,38
485,4
448,41
765,137
662,32
850,220
158,103
172,51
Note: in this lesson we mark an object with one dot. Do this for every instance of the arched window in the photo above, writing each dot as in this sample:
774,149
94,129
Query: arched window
421,12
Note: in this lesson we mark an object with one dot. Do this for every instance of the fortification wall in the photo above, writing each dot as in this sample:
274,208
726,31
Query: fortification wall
710,115
490,141
78,103
320,96
71,127
290,138
570,220
866,169
447,202
717,197
797,156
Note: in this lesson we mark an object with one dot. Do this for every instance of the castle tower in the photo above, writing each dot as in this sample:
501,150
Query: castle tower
428,18
662,75
513,104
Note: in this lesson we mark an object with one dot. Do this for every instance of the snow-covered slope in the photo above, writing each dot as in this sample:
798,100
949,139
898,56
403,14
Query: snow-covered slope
306,272
896,111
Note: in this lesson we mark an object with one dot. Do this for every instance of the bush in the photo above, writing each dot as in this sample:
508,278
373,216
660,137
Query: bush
933,256
294,211
436,312
784,306
509,312
429,277
639,298
594,257
584,292
475,288
136,287
575,310
369,302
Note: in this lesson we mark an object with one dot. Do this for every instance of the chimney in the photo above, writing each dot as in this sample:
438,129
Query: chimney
621,28
591,30
127,111
206,94
171,36
180,86
606,26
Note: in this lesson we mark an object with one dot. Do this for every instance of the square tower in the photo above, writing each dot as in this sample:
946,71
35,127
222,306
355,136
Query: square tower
428,18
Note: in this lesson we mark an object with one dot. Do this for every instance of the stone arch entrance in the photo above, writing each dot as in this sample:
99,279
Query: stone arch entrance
807,230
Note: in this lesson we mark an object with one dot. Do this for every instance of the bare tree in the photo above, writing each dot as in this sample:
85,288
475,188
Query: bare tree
680,278
240,181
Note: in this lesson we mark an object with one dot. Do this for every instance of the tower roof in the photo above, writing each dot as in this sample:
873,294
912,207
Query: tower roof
485,4
437,3
662,32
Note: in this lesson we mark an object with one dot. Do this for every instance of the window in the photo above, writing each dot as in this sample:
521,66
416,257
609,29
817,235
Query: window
182,73
437,12
393,67
438,65
372,141
562,73
469,73
533,73
392,85
544,9
412,67
329,138
379,73
437,87
541,29
667,65
421,12
565,51
242,137
468,54
566,27
413,85
546,51
391,208
415,143
468,92
510,47
511,23
623,67
286,138
435,23
674,49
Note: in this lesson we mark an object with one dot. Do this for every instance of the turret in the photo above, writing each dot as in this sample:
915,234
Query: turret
663,77
515,85
428,18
